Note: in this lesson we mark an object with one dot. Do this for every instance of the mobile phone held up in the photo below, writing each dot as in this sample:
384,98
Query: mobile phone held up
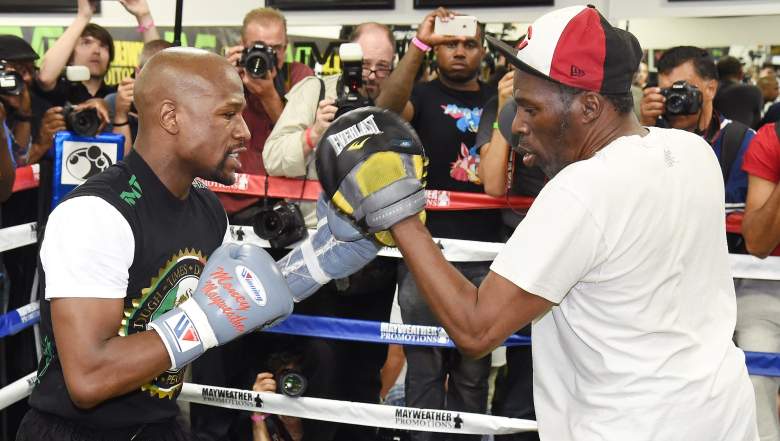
457,26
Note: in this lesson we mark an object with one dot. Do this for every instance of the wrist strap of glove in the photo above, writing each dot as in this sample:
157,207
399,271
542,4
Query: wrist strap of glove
311,262
185,332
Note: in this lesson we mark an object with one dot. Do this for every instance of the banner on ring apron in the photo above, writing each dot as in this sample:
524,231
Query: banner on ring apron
77,158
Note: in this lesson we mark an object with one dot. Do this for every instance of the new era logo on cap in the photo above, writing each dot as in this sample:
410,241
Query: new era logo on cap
576,46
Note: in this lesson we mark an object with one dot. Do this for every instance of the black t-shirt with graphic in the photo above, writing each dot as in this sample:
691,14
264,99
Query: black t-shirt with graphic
173,239
446,121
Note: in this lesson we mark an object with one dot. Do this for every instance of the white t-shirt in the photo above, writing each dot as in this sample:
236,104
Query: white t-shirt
630,245
87,250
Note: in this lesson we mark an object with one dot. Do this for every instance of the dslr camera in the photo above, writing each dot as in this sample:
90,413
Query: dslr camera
85,122
11,83
682,99
291,382
258,59
281,225
348,90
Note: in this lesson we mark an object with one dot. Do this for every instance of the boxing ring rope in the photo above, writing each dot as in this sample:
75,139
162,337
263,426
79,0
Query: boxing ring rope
374,415
742,266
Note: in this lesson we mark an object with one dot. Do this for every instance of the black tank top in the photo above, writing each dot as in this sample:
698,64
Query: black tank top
173,238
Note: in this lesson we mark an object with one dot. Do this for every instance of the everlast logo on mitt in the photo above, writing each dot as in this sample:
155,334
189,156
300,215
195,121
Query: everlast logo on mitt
343,138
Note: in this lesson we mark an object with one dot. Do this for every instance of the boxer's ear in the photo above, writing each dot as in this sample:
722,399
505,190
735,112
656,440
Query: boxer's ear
168,117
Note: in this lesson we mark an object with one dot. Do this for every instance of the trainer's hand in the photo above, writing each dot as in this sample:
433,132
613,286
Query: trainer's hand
240,290
651,106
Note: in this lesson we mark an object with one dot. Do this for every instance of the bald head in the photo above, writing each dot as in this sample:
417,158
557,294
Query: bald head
182,76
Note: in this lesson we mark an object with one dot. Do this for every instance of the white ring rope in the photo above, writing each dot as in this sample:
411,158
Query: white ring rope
364,414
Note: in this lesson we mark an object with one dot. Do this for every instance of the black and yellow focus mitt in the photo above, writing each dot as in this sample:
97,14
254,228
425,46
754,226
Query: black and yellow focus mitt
372,166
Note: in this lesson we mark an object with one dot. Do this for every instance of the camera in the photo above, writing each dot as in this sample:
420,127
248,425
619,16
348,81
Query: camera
280,225
291,382
11,82
682,99
258,59
348,90
85,122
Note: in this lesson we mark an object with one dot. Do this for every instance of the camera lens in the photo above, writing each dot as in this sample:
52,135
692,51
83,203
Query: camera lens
257,64
269,224
675,104
84,123
292,383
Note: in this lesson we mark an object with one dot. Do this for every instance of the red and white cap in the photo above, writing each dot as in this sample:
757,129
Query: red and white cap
576,46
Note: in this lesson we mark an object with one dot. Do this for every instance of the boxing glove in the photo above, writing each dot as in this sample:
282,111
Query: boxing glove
337,249
240,290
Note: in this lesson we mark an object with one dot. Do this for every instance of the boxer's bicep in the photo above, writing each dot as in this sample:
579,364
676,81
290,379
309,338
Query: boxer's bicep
503,308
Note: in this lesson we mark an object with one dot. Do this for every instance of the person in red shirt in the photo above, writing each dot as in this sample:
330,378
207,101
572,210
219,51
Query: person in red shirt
758,302
264,96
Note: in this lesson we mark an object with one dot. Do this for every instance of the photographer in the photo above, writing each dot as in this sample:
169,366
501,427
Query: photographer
688,81
283,377
305,117
266,80
91,45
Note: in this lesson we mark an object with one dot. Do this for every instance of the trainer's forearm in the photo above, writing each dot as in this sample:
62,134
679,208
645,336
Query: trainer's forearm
397,89
448,293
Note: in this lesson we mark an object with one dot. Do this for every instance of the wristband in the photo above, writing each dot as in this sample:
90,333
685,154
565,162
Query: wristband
116,124
259,417
22,118
495,124
307,135
420,45
143,27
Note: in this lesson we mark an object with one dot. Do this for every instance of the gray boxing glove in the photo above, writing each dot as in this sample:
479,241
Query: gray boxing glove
239,291
337,249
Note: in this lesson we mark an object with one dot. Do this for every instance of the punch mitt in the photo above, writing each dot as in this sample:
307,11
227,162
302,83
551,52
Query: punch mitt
372,167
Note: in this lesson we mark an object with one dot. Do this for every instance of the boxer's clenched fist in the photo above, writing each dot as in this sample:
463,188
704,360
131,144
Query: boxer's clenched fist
240,290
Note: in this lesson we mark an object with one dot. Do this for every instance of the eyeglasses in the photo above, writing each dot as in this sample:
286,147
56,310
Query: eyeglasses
379,71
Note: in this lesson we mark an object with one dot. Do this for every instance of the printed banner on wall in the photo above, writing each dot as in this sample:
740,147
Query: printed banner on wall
318,53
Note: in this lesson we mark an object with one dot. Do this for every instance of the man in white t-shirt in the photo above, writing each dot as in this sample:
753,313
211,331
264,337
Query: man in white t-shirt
621,263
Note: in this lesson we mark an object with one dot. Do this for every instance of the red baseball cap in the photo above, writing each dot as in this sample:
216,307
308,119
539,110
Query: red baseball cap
576,46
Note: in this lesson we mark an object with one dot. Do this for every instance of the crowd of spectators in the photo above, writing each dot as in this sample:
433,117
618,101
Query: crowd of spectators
455,114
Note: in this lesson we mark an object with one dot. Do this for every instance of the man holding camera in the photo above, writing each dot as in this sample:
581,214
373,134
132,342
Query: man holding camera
687,84
267,77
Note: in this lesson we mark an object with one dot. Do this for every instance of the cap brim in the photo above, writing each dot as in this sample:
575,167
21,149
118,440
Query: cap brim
510,54
505,117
